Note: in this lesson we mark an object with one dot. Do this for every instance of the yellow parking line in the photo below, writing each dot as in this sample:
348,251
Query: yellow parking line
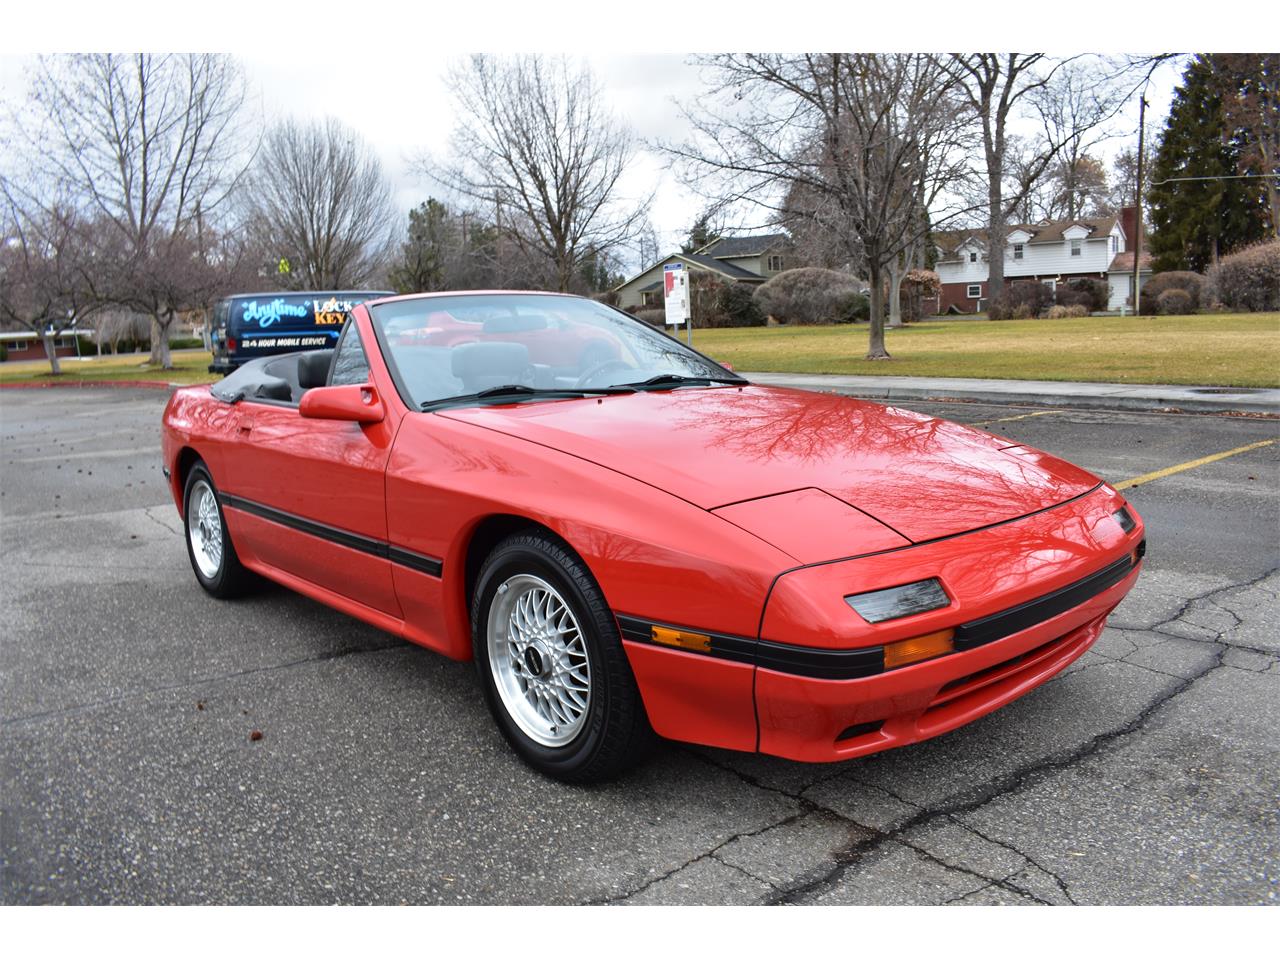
1169,471
1021,416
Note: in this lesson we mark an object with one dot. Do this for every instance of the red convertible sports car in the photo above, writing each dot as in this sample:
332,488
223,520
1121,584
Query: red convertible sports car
628,538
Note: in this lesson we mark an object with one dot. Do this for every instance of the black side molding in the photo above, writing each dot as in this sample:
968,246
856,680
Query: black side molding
345,538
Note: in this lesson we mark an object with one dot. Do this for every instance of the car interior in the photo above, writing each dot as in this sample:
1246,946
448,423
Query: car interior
429,372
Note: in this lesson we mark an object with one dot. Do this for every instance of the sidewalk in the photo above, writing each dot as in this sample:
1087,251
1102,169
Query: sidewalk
1096,396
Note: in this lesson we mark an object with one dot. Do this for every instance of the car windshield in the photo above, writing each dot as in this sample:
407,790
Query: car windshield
485,348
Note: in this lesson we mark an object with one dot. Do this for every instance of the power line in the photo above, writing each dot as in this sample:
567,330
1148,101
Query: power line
1229,176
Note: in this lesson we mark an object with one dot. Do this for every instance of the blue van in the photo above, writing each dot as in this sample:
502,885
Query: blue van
249,325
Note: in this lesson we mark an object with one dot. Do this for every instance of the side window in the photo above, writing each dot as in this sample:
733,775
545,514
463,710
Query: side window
349,363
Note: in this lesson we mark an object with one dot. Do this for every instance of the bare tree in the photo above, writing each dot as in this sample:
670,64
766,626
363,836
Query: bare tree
536,145
1069,103
867,140
42,255
148,145
318,197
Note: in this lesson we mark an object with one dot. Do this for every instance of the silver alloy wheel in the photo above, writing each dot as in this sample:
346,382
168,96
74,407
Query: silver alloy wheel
538,658
204,529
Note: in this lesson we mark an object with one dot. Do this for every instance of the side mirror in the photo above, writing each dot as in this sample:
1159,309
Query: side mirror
358,403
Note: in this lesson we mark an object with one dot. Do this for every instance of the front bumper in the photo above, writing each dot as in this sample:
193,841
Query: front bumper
804,718
1028,598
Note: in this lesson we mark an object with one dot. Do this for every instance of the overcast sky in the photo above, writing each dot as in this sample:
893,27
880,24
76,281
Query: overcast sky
387,82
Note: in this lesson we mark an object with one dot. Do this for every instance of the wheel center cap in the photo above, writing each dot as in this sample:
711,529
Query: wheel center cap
533,660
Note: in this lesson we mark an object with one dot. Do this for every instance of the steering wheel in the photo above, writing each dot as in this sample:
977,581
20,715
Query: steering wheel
596,369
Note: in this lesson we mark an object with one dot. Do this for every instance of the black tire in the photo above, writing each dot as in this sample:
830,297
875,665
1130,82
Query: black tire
230,578
615,733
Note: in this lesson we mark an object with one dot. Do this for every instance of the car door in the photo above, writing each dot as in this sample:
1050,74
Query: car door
312,492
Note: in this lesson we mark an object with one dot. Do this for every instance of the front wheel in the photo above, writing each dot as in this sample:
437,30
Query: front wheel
552,665
213,557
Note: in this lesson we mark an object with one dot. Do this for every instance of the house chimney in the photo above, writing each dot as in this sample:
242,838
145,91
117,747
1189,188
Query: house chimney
1128,223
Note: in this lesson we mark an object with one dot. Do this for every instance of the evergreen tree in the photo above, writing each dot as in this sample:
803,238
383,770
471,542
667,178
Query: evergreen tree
421,267
1196,222
700,234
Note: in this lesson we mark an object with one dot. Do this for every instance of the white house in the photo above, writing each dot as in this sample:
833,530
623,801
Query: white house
1053,252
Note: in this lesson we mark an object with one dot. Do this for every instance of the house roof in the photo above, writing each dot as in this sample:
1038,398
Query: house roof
742,246
949,241
730,270
1054,229
1123,262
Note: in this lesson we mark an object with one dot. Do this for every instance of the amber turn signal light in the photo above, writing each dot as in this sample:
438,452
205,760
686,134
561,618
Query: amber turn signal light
918,648
682,638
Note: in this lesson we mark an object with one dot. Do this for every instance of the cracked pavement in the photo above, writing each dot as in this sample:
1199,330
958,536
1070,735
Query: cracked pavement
1147,772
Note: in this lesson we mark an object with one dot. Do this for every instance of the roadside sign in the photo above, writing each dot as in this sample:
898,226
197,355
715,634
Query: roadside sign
675,287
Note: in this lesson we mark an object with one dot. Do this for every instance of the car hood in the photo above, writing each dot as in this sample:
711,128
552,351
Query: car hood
920,476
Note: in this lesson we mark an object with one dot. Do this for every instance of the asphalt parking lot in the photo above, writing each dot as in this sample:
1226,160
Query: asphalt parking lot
1147,773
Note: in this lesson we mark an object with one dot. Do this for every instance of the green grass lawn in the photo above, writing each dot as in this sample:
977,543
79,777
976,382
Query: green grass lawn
1229,350
188,367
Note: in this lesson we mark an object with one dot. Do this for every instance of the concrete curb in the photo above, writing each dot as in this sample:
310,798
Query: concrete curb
1164,398
143,384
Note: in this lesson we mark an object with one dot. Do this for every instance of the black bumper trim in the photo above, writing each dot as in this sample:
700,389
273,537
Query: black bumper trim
997,626
824,664
785,658
345,538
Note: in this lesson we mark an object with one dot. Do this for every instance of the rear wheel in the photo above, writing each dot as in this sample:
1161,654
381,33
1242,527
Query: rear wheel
213,556
552,665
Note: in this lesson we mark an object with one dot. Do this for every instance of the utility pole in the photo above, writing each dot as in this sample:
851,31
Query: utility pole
1137,192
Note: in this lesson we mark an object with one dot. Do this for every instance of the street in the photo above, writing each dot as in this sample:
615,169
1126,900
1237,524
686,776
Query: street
1148,772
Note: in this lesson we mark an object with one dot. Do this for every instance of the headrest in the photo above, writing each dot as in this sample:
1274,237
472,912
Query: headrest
506,361
313,368
514,324
273,388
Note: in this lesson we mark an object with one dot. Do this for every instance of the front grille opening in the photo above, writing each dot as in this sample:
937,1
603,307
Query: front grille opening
997,668
859,729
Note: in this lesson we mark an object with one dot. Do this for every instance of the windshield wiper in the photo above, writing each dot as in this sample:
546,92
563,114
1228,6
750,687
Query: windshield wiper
679,379
520,391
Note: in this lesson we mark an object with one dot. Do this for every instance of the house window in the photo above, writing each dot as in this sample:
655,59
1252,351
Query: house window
1017,251
16,345
974,291
1076,247
1115,244
775,261
647,298
973,257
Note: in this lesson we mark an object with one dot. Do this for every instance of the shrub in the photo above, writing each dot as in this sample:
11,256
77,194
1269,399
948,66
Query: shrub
1063,311
650,315
853,307
1020,300
1092,294
1173,301
735,306
185,343
809,295
4,353
1248,280
918,286
1184,280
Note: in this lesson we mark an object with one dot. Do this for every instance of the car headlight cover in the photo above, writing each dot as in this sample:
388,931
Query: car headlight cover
1123,518
880,605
